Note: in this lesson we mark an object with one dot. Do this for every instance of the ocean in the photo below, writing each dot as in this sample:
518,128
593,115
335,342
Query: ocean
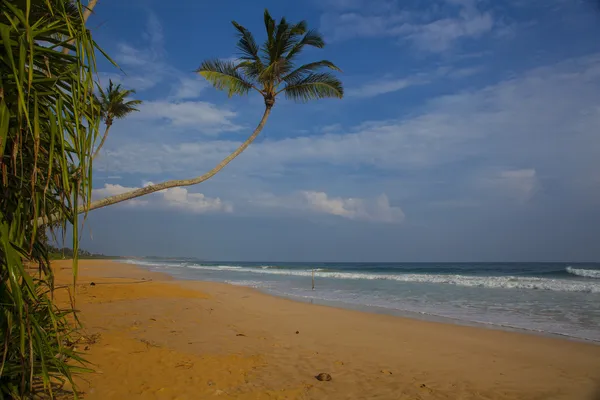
549,298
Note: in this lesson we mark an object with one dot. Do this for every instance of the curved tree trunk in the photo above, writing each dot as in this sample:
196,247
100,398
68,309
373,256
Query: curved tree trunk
86,14
102,141
181,182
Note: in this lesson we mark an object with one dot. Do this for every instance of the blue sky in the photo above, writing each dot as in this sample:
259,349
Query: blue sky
469,132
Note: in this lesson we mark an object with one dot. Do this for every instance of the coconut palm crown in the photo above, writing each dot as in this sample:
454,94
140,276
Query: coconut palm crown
271,69
114,104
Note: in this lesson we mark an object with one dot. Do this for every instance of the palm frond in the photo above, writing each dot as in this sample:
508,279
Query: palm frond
251,69
121,110
246,43
275,71
224,75
305,69
280,38
311,38
269,42
314,86
299,28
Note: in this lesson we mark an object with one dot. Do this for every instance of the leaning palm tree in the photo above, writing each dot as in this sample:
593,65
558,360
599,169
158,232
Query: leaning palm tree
270,70
114,104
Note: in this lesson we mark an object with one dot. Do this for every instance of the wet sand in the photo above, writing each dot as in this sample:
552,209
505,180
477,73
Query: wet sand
151,337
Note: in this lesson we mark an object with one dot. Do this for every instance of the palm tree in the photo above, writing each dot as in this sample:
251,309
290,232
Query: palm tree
271,70
114,104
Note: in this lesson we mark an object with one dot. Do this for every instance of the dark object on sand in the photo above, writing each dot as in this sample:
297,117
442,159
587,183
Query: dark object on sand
323,377
92,284
297,332
240,334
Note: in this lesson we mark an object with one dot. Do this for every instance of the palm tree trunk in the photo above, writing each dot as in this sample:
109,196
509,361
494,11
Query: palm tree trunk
181,182
86,14
102,141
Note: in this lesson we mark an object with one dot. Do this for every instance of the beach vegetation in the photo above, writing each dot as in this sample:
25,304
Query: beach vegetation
49,121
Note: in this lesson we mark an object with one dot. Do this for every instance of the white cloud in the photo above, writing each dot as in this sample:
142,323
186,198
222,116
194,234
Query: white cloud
200,115
351,25
390,84
383,86
518,184
180,198
441,35
516,122
360,209
434,30
189,88
134,57
377,210
143,62
176,198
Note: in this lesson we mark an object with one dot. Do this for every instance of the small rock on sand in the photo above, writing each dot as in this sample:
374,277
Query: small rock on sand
386,372
323,377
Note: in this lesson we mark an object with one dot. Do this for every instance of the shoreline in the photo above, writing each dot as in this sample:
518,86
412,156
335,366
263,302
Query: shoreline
373,309
418,316
238,342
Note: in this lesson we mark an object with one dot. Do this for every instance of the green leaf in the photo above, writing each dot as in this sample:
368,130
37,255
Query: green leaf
314,86
223,75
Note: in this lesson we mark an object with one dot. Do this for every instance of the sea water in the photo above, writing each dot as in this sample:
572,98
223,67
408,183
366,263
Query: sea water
551,298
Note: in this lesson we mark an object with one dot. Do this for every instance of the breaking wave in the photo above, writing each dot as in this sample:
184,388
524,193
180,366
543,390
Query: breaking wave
586,273
499,282
494,282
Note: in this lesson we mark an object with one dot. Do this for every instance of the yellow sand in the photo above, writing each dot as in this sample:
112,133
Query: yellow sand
151,337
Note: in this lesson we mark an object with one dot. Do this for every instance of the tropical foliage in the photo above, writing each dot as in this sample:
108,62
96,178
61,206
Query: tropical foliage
114,105
271,70
48,123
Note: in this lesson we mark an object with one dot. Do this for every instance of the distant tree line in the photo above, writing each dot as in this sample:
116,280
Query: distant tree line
67,252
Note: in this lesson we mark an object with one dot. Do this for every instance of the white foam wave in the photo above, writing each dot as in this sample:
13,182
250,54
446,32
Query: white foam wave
586,273
499,282
151,263
495,282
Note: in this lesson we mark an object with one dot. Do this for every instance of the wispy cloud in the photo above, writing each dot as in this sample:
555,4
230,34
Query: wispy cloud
360,209
189,88
144,65
383,86
517,184
513,123
441,35
377,210
390,84
200,115
437,29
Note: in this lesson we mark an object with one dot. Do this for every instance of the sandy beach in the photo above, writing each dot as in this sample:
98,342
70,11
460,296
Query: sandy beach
151,337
